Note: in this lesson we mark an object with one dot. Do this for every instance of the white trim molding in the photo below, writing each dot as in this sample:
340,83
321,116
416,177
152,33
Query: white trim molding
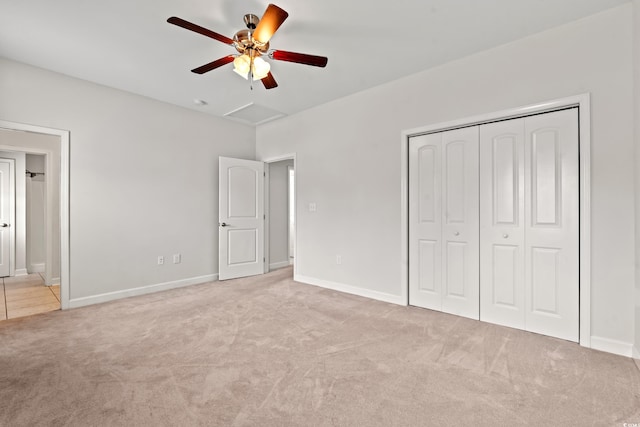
349,289
583,102
612,346
37,267
278,265
21,272
143,290
11,231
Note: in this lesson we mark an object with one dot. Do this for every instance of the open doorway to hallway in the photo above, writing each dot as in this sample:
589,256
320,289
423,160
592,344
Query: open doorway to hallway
281,213
33,283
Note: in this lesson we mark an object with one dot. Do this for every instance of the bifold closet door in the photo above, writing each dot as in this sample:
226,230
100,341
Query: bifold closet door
502,218
444,221
529,214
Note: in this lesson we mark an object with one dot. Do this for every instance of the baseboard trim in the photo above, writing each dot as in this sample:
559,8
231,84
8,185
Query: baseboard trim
110,296
37,267
21,272
636,355
612,346
349,289
278,265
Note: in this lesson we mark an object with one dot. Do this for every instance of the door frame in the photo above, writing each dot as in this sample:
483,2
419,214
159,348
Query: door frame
290,170
583,102
12,214
64,136
267,236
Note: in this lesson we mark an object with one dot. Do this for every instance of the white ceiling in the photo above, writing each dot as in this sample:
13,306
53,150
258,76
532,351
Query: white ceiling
127,44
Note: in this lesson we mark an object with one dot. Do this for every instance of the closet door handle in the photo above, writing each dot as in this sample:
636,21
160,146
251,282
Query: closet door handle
4,225
505,235
223,224
456,233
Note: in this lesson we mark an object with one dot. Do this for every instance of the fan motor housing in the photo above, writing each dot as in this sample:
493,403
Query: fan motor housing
243,40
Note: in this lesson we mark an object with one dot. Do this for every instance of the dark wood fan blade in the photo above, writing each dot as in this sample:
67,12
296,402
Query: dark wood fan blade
271,20
198,29
213,65
300,58
269,82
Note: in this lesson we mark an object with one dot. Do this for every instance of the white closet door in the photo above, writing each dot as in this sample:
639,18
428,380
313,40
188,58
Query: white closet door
443,222
529,224
460,223
425,221
552,228
502,218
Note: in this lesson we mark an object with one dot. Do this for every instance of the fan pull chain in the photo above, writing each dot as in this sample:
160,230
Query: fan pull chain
251,70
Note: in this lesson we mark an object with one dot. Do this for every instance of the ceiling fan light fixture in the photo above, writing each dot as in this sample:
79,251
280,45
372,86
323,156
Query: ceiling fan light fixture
251,43
260,68
242,65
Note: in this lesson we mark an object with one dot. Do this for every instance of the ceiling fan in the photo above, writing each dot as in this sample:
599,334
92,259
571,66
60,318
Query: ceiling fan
252,44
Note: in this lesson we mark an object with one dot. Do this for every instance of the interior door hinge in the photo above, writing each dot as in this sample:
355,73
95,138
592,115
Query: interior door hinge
264,216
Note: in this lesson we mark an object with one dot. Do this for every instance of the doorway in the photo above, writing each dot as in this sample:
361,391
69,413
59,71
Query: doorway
51,150
280,202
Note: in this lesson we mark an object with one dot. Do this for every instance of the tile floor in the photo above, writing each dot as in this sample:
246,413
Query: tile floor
26,295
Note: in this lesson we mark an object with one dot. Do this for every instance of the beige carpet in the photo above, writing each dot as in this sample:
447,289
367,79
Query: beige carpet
268,351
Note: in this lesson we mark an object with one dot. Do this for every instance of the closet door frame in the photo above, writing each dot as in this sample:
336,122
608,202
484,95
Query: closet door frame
583,103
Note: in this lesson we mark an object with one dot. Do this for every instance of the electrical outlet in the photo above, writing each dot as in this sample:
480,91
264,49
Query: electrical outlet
339,259
312,207
177,258
160,260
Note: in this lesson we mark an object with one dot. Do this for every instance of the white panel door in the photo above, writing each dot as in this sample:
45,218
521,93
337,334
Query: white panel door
241,218
552,228
6,205
460,223
443,222
502,218
529,224
425,222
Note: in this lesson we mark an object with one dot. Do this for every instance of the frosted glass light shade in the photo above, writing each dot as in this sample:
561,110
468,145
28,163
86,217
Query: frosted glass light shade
241,65
260,68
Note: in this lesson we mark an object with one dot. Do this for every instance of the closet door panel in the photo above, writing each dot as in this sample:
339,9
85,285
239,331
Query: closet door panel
425,221
552,230
502,298
460,228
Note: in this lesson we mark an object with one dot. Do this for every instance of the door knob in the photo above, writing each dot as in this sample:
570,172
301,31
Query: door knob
4,225
456,233
505,235
222,224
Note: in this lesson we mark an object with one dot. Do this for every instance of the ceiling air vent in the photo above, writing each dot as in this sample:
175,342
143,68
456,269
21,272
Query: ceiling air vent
254,114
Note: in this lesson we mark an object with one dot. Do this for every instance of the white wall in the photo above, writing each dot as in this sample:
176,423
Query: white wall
143,179
36,200
278,213
348,158
20,225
